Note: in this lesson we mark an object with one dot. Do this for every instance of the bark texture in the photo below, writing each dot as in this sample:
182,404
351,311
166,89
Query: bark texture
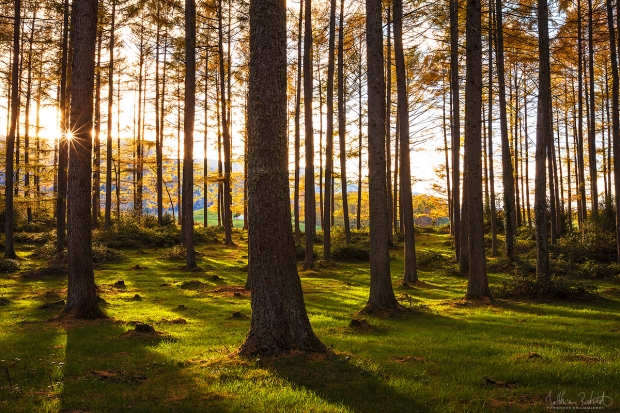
279,320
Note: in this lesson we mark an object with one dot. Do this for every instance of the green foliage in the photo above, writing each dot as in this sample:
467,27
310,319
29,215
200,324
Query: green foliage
430,258
175,253
102,254
127,232
596,243
349,252
204,235
558,288
34,237
526,233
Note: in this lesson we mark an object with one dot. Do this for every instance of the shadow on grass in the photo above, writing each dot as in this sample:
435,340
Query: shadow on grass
341,380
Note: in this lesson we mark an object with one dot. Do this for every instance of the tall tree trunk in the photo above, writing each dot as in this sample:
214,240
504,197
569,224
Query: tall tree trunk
455,126
494,251
580,166
410,268
477,285
139,145
507,173
360,137
297,132
527,161
81,293
279,320
226,135
329,136
27,166
9,244
445,145
515,148
188,129
63,146
205,160
592,127
342,126
96,201
381,293
309,197
388,127
615,118
158,135
108,173
543,134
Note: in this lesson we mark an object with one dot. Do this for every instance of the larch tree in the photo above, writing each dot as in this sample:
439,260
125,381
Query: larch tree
81,293
9,244
478,285
543,134
309,193
455,126
410,269
63,144
329,135
188,128
381,299
279,320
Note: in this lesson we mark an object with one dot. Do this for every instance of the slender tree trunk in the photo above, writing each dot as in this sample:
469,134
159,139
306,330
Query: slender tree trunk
381,293
455,125
158,136
139,145
309,195
329,137
580,166
543,132
188,129
592,127
527,161
96,201
615,118
388,127
360,142
108,173
410,268
445,145
342,126
279,320
9,244
81,293
297,131
63,147
205,160
515,148
494,251
27,166
507,173
478,285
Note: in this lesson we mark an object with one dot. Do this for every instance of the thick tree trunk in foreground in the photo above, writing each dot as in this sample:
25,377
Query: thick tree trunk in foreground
381,293
279,319
410,270
478,284
9,245
188,128
81,295
543,134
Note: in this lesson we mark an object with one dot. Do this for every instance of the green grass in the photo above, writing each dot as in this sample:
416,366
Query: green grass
446,355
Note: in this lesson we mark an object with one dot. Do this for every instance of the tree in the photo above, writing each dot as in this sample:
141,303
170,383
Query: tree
310,202
108,174
478,285
9,245
342,125
455,126
410,270
381,293
329,135
81,294
510,218
543,134
188,125
279,320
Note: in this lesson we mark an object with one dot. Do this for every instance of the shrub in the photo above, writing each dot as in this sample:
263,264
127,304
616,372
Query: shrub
9,265
205,235
101,254
430,259
177,253
349,252
558,288
128,233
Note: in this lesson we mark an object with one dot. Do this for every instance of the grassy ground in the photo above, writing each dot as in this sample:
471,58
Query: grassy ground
445,355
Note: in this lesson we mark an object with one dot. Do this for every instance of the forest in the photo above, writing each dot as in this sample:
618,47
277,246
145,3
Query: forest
313,206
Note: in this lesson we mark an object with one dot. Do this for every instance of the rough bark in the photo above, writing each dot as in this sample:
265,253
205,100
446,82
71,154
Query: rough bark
543,134
81,293
592,114
108,174
297,131
342,125
309,193
9,244
188,129
507,172
279,320
329,135
455,126
410,268
493,211
381,293
478,285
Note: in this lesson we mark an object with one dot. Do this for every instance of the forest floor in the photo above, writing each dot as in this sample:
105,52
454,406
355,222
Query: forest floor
443,355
